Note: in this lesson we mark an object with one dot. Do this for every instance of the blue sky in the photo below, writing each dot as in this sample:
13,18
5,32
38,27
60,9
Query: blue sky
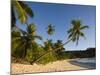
60,15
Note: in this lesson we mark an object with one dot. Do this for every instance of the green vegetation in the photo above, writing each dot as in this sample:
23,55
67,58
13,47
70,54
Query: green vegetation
20,11
76,31
88,53
24,45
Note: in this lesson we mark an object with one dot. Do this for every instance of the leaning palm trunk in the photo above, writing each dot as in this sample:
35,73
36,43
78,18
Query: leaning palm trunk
51,51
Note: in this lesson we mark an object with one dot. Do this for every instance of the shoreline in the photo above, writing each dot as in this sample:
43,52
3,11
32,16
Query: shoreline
86,65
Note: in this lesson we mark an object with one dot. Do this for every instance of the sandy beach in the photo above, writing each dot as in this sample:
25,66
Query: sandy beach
63,65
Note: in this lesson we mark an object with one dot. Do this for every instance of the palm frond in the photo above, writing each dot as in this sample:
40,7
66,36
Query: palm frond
32,28
16,39
84,27
74,39
70,35
76,31
37,37
73,22
70,30
78,23
82,34
20,12
27,9
15,34
50,29
15,42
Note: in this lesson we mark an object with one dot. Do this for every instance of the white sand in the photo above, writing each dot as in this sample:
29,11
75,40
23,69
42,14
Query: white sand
51,67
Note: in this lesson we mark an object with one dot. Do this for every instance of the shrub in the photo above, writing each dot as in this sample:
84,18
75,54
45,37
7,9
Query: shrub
30,57
47,59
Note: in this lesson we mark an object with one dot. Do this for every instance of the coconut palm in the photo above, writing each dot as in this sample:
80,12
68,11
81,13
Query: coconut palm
58,44
74,34
50,29
76,31
26,39
48,45
59,52
20,11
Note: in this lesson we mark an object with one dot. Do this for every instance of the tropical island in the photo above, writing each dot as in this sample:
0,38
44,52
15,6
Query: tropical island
32,52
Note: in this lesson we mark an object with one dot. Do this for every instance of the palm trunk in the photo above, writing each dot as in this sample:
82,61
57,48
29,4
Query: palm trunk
25,50
51,51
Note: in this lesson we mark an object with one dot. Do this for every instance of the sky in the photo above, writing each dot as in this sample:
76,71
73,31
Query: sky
61,15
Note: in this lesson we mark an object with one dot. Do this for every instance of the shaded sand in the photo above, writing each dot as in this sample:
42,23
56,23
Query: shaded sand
63,65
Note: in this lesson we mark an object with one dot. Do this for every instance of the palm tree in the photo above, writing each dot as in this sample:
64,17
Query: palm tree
48,45
20,11
76,31
74,34
26,39
58,44
50,29
59,52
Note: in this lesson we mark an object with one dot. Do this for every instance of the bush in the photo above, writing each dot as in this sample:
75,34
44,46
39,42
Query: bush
47,59
30,57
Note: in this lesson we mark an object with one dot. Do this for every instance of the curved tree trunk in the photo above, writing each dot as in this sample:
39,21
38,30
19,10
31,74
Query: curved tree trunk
51,51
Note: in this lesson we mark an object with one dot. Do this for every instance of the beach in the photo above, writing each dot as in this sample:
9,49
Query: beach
63,65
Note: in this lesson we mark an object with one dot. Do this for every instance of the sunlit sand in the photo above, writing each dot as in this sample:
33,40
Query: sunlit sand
63,65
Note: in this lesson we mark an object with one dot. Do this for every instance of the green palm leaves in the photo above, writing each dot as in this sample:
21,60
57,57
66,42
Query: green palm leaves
32,29
76,31
74,34
25,41
21,11
32,32
50,29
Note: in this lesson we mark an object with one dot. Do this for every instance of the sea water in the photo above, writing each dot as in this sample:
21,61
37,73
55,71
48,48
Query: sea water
86,60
